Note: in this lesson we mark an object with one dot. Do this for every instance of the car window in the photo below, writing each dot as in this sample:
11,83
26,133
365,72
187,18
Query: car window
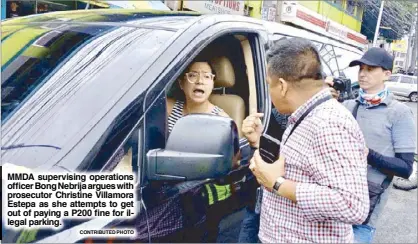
329,60
393,78
407,80
34,55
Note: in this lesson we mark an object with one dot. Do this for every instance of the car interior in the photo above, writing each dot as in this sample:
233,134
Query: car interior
231,58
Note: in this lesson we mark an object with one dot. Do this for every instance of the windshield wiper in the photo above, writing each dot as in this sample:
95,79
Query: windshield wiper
23,145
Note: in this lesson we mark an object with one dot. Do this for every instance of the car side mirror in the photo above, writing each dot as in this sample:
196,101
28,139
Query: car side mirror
200,147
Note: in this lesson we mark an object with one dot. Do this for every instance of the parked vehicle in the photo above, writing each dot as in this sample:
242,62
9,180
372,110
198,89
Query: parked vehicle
404,86
77,87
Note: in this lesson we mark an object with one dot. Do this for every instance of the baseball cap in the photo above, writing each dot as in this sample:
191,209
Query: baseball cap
375,56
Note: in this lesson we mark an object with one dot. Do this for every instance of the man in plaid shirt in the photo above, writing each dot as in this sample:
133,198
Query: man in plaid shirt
317,189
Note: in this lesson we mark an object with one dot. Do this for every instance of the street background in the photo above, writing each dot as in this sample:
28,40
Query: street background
398,223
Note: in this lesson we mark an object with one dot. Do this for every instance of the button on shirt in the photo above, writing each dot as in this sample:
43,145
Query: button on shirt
326,156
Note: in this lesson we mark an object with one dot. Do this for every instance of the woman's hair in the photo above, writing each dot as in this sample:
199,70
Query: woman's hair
176,92
199,60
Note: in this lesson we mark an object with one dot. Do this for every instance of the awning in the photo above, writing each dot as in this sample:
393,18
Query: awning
155,5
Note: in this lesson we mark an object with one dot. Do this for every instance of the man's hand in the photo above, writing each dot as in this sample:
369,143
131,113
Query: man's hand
252,128
265,173
330,82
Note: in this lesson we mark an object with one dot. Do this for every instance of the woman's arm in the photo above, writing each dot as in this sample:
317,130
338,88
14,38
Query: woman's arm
170,105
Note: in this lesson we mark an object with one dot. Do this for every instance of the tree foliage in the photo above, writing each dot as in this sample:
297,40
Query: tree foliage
397,19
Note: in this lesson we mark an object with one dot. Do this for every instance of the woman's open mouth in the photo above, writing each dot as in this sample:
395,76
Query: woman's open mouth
198,92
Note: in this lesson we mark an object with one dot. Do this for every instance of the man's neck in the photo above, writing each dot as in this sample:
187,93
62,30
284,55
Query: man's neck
191,107
374,90
303,96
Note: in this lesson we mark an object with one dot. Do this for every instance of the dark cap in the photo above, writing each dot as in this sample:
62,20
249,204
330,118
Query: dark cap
375,56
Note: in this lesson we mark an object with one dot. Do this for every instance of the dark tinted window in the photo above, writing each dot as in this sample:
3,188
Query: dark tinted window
31,55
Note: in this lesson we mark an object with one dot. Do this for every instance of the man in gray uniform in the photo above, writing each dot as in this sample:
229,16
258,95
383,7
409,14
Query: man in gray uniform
389,129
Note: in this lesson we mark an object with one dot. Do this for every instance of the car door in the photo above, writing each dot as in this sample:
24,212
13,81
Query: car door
406,84
393,84
156,135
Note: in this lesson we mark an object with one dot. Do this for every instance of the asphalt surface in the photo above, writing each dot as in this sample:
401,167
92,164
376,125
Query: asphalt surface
397,224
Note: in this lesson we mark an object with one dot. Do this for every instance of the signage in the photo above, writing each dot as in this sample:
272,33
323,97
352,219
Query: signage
272,14
299,15
336,30
400,46
216,6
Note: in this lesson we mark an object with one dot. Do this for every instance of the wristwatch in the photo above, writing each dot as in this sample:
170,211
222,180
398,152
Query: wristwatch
278,183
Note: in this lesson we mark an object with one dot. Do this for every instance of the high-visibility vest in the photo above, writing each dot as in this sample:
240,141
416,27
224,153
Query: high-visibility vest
217,193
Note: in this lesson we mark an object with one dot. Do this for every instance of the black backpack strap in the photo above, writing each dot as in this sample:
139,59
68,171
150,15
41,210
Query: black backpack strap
319,102
355,110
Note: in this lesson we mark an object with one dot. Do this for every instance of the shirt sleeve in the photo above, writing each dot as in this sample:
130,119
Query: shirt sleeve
404,133
401,165
339,168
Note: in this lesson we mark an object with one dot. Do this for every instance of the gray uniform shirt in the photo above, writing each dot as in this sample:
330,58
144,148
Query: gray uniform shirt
388,129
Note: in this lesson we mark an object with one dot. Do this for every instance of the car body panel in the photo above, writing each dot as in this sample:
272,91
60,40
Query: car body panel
402,85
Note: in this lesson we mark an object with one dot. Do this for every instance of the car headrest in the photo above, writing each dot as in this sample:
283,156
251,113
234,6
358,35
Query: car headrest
225,76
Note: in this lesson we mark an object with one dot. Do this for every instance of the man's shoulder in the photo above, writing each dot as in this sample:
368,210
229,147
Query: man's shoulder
349,103
336,112
399,107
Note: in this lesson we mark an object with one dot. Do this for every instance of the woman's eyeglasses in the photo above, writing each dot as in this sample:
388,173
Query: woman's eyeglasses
194,77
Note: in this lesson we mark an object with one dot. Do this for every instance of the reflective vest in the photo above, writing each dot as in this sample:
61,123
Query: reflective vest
217,193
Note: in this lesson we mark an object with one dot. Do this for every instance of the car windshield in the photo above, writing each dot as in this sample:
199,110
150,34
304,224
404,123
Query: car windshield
33,54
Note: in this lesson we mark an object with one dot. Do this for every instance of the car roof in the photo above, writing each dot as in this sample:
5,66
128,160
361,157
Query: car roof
405,75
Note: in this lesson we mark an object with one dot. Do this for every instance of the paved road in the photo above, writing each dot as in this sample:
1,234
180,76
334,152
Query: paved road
398,223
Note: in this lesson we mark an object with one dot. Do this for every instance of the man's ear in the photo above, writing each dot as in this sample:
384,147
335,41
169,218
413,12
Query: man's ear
284,86
387,73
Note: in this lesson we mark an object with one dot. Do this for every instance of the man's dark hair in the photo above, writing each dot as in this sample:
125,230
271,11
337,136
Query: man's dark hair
294,59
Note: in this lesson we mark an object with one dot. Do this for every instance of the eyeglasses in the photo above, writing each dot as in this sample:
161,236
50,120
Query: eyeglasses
194,77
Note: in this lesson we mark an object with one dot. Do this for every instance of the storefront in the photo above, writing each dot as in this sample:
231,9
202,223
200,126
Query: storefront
12,9
209,6
298,15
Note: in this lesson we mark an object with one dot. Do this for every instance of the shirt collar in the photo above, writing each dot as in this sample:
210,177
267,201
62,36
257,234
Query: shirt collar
302,109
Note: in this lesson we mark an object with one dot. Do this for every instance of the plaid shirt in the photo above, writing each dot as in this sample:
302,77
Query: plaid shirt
326,157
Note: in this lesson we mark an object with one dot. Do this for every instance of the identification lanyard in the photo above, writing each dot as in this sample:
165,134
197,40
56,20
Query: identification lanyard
319,102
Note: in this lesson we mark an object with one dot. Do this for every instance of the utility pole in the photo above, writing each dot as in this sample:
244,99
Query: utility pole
376,33
412,57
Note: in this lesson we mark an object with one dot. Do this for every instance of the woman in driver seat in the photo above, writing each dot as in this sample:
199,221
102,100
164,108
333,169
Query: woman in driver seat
197,84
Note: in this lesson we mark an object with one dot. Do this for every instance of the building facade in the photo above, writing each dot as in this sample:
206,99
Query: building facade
337,19
16,8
